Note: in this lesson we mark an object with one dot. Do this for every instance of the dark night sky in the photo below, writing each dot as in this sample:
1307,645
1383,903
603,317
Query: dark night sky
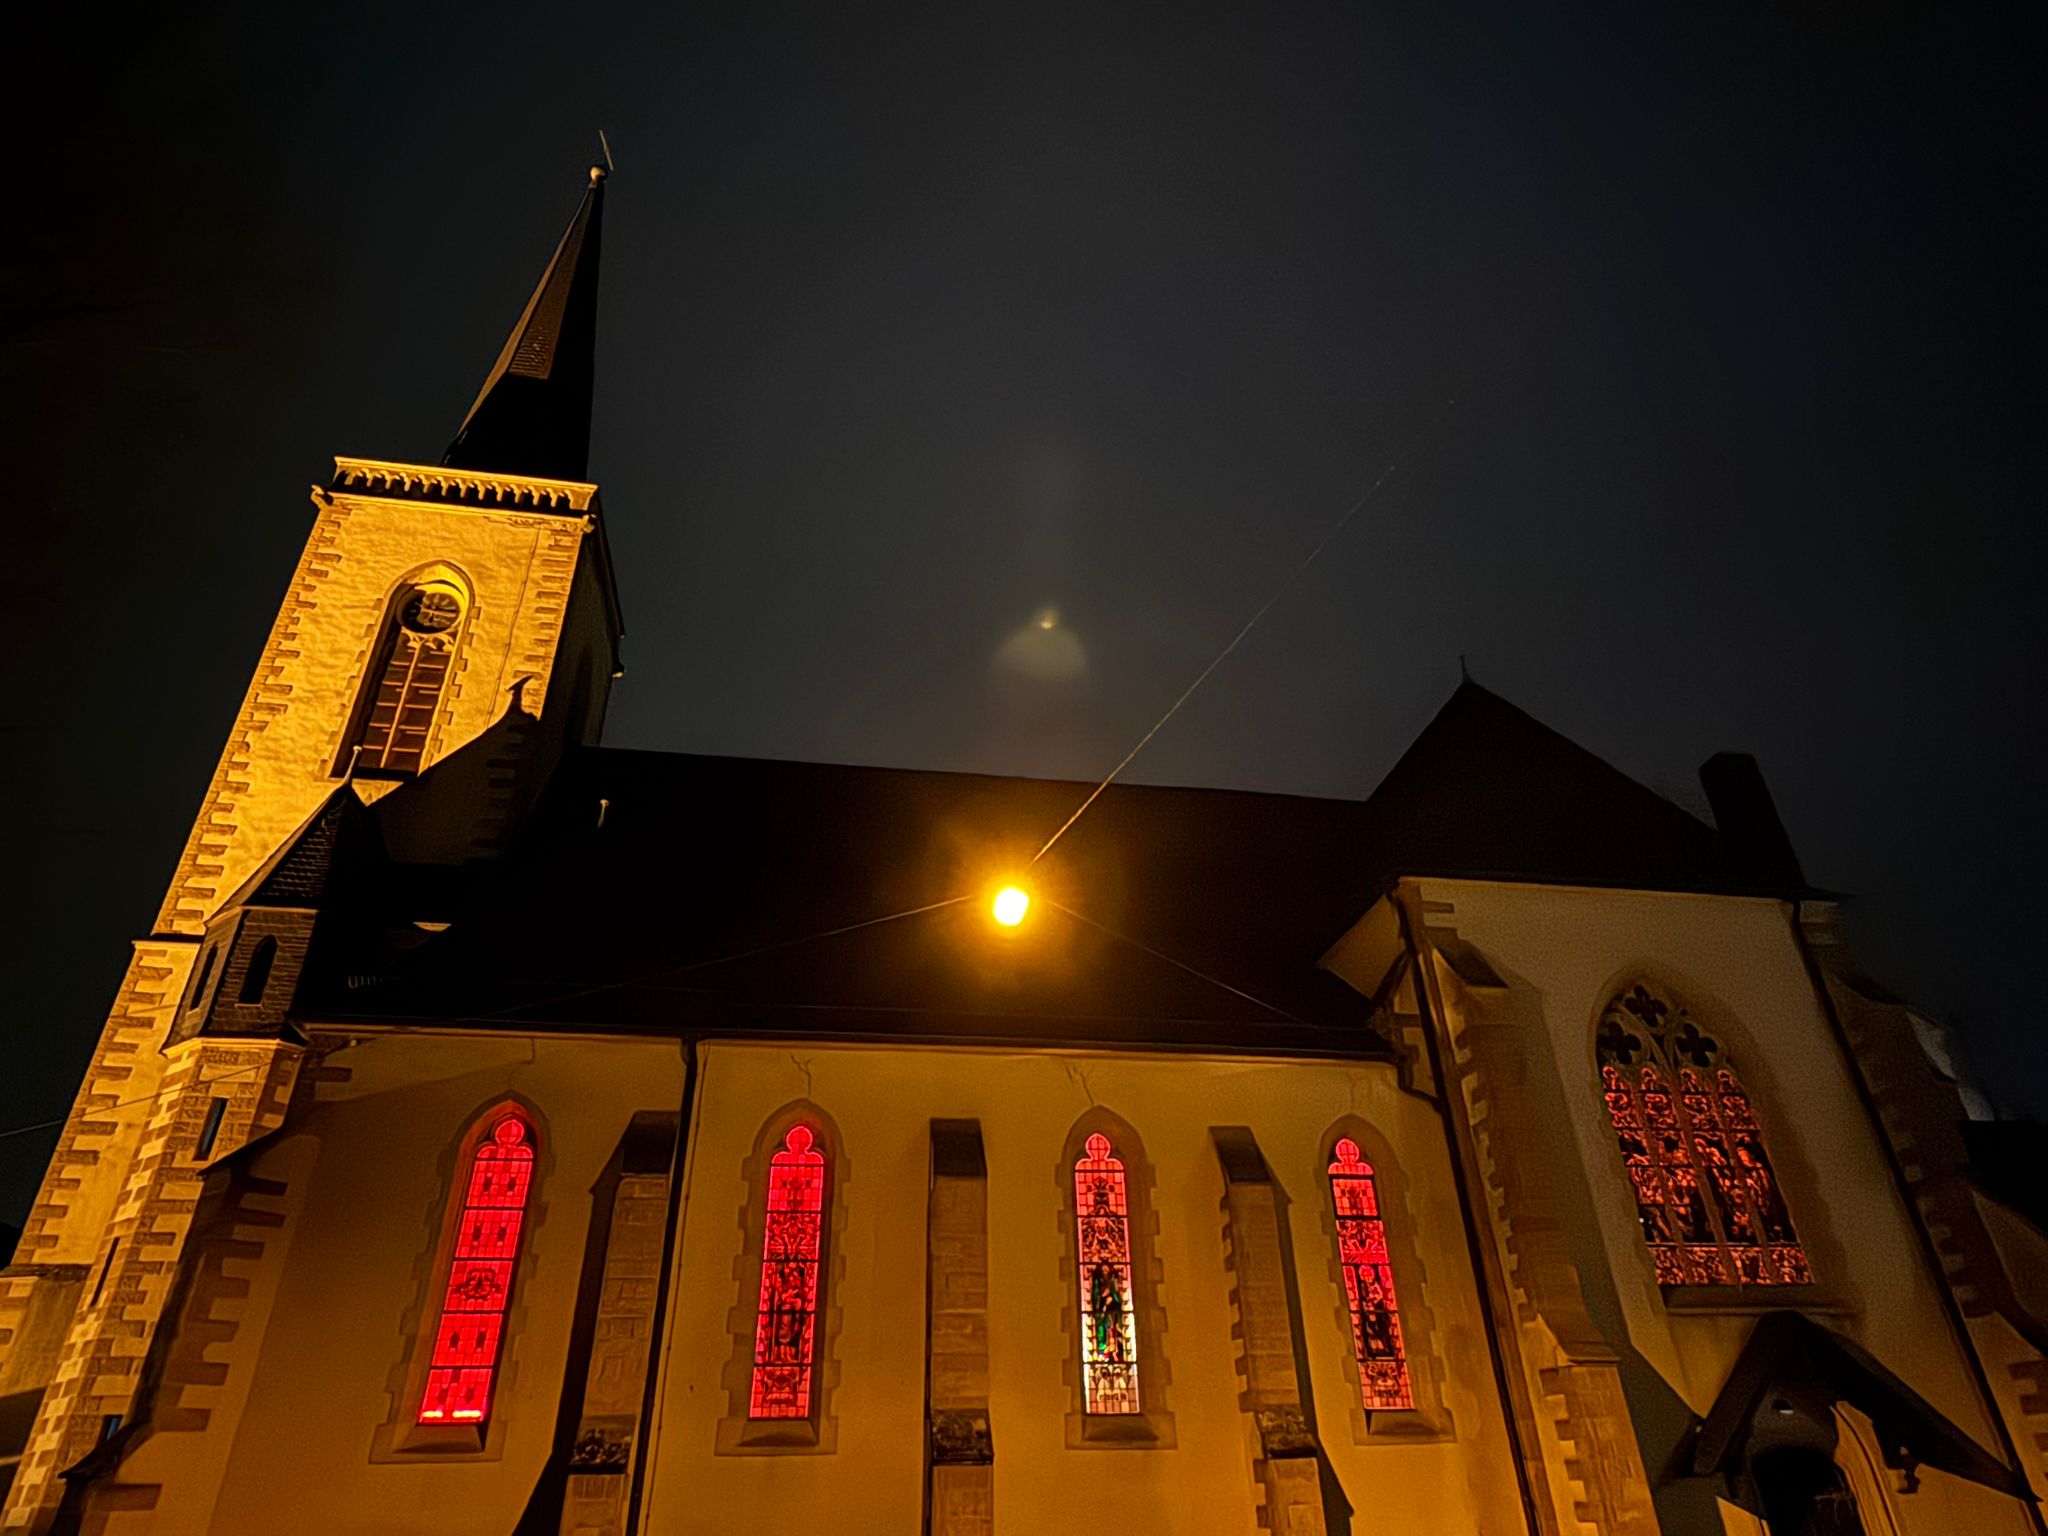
917,321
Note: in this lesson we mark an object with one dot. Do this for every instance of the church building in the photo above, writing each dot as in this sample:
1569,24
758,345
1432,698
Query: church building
498,1132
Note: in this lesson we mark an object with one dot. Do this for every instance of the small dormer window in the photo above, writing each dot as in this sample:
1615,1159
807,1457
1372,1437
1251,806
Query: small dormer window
256,974
206,962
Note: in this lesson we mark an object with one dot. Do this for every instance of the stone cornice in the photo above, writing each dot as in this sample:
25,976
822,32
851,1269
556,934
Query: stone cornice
461,487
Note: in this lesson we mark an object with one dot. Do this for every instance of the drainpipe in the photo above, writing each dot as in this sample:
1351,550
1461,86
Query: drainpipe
1949,1306
658,1347
1467,1210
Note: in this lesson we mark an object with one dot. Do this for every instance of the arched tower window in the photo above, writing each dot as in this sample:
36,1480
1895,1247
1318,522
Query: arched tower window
256,974
1368,1281
1709,1203
1109,1331
469,1337
404,689
792,1251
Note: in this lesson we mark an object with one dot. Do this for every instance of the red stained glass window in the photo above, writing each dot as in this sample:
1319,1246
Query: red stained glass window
786,1326
1109,1333
472,1327
1369,1282
1709,1204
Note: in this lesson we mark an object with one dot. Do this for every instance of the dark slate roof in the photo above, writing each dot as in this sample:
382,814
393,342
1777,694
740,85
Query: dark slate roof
533,414
672,892
709,896
1489,792
341,833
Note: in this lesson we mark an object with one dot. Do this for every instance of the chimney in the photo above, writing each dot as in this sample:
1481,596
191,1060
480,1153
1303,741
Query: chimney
1748,819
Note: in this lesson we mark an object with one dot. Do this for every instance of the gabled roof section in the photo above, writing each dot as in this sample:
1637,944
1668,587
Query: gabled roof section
303,869
1488,792
1787,1348
533,415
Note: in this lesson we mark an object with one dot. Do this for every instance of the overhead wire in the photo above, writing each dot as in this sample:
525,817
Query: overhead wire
1160,954
1237,639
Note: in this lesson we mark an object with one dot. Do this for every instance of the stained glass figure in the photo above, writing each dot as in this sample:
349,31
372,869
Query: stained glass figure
468,1341
1369,1282
1709,1204
1109,1332
786,1326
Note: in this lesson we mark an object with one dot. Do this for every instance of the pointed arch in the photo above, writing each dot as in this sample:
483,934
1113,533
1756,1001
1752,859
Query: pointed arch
399,700
1707,1197
792,1257
1109,1322
256,974
489,1209
1115,1362
1369,1289
1392,1354
779,1376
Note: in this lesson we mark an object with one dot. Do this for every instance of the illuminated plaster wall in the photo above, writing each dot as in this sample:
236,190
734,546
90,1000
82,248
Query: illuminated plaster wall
882,1102
323,1332
1733,962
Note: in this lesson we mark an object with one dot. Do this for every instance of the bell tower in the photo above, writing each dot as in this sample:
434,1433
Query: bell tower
449,629
434,606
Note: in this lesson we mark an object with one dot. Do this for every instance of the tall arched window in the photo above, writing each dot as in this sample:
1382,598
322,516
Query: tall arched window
1368,1281
469,1338
1109,1331
792,1251
403,691
1710,1206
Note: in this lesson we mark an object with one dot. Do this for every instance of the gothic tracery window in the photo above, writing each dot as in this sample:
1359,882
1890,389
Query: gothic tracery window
404,690
792,1248
1709,1202
469,1337
1109,1333
1368,1281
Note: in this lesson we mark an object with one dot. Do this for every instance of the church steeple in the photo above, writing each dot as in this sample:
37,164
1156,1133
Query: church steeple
533,414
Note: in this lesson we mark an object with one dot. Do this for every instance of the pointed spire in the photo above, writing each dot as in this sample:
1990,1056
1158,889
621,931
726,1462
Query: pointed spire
533,415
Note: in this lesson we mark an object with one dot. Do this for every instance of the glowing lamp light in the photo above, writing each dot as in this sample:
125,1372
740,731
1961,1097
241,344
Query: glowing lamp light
1010,906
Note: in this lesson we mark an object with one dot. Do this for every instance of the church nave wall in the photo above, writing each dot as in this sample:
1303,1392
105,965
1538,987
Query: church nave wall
1189,1460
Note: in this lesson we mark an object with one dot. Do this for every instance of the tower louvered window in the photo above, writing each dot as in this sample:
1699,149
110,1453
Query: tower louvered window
469,1339
403,695
1369,1282
1109,1332
792,1252
1709,1203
